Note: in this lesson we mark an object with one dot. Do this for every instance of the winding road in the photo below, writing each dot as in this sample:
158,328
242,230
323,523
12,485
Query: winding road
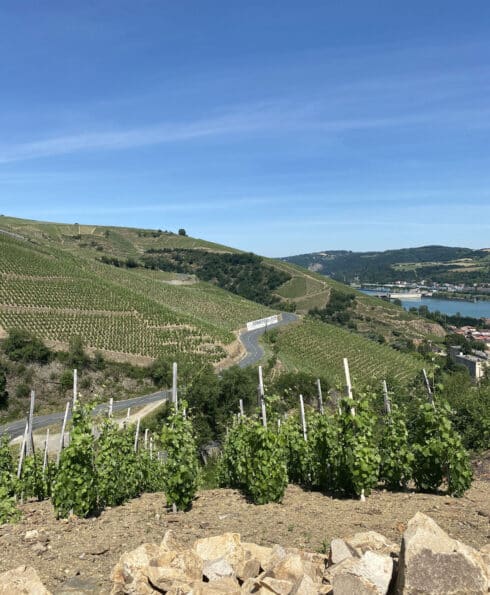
249,339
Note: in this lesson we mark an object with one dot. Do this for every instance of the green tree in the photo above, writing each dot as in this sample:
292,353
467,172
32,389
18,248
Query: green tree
3,387
161,372
236,383
203,397
22,346
77,358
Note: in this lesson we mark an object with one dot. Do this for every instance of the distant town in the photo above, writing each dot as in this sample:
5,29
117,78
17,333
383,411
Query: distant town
406,290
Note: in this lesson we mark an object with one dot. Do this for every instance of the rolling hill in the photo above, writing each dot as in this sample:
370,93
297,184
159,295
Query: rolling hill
439,264
107,285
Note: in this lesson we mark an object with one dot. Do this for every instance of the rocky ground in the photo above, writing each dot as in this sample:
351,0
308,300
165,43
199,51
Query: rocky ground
85,551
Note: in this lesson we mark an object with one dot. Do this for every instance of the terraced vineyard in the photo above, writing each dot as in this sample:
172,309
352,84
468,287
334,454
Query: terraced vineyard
55,295
318,348
53,283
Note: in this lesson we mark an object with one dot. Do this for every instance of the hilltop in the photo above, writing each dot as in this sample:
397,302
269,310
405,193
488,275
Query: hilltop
136,294
439,264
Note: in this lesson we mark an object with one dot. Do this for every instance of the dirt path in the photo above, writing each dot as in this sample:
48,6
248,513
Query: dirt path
88,549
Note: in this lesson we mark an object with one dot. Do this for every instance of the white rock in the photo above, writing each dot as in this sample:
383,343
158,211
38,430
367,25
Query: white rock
370,574
216,569
22,580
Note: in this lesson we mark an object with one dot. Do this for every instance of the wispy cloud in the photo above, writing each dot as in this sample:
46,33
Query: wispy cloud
272,117
232,123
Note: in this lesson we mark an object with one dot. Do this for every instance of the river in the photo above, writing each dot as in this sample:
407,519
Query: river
473,309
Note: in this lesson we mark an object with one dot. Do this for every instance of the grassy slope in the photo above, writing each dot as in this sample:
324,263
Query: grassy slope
63,289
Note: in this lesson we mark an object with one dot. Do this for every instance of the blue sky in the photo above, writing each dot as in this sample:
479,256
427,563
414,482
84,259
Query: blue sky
278,127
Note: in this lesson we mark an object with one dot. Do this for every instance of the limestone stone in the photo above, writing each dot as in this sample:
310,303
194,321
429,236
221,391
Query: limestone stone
31,535
248,568
485,554
339,551
216,569
372,541
432,562
313,563
305,586
129,576
169,567
181,588
23,580
222,586
278,554
250,585
227,546
276,586
370,574
291,568
263,554
170,543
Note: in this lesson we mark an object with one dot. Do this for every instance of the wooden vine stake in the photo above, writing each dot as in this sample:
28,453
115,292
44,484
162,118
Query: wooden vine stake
348,387
45,458
263,412
30,441
320,396
22,450
386,398
262,398
75,386
146,438
242,411
429,389
303,418
261,385
62,436
137,434
174,386
111,406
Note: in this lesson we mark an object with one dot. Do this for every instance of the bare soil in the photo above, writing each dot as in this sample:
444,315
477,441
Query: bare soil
85,550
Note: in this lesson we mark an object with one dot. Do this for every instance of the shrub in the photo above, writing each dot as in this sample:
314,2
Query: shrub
22,391
396,456
439,452
118,472
75,487
181,466
22,346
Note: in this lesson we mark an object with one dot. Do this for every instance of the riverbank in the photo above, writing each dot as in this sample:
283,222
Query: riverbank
462,297
449,307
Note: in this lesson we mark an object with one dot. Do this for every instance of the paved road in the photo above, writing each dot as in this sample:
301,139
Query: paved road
16,428
249,339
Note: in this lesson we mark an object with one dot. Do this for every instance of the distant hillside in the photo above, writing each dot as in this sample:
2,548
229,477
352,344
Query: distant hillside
440,264
135,294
